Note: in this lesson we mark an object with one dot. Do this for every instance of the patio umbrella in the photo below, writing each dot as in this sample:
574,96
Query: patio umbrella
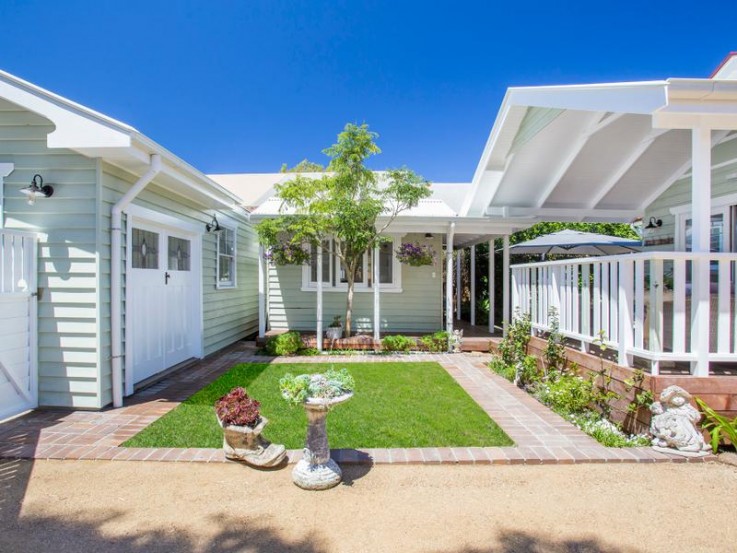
575,242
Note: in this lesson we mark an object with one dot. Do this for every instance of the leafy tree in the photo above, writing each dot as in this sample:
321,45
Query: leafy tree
304,166
344,204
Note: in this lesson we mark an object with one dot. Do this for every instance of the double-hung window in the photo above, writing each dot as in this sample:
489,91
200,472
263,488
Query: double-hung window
226,258
334,272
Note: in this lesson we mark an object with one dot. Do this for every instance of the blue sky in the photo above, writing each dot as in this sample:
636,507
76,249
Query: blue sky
245,86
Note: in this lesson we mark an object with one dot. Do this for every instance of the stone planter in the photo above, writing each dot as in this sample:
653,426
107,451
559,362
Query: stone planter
334,332
243,443
316,470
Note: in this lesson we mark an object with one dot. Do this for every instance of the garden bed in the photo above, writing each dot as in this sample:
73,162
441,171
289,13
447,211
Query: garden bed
395,405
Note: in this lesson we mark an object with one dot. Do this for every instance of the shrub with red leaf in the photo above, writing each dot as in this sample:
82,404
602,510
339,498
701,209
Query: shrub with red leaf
238,409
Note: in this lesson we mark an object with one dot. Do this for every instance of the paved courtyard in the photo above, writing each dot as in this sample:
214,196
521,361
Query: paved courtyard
540,435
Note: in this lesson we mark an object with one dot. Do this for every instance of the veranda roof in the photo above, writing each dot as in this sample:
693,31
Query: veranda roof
574,242
601,152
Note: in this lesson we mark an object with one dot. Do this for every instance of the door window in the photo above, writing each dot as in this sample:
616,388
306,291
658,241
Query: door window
179,254
145,246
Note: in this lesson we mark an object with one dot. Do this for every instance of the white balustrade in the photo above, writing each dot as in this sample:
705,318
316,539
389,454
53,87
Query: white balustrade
17,262
638,304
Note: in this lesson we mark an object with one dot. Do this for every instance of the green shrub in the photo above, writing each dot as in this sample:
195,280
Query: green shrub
437,342
527,372
567,395
398,343
717,426
498,365
288,343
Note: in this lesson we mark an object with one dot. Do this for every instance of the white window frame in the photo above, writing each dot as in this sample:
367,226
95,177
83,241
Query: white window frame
395,286
227,225
720,206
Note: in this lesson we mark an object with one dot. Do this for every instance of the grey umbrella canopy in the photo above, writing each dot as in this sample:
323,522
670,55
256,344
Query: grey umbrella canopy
575,242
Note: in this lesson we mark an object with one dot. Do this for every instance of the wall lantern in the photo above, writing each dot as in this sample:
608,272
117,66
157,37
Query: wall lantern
654,223
37,189
213,226
428,235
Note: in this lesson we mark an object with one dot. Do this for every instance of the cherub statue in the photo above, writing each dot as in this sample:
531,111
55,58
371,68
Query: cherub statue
673,424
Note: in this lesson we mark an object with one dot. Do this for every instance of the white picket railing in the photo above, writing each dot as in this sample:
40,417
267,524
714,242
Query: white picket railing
17,262
638,304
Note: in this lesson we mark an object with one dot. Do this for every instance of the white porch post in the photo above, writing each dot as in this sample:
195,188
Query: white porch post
505,284
318,326
473,285
449,279
262,267
459,283
491,287
701,235
377,304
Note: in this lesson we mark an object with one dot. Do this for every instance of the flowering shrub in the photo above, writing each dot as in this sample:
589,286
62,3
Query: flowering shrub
238,409
607,433
416,255
330,384
287,254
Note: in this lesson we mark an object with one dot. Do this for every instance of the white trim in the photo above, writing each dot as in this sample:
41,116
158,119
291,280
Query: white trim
360,287
5,170
160,219
228,224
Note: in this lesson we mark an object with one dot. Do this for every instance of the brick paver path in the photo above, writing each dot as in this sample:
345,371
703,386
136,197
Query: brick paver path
540,435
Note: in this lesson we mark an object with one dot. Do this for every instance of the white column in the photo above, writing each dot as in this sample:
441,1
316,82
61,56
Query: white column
491,287
449,279
473,285
377,301
318,326
459,283
262,267
701,231
505,284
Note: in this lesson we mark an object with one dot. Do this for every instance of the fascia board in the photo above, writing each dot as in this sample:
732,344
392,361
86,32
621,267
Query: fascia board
637,98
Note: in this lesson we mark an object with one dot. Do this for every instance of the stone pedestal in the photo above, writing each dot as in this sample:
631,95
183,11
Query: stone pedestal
243,443
316,470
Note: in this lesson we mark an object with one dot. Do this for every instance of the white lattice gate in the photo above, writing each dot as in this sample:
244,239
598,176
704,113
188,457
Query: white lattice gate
18,323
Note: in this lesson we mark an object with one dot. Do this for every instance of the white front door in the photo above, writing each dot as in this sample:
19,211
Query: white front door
162,298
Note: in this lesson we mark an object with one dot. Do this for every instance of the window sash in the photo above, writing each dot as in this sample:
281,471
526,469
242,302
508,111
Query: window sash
334,272
226,256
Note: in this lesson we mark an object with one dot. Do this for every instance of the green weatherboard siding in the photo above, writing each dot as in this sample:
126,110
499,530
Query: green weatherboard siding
395,405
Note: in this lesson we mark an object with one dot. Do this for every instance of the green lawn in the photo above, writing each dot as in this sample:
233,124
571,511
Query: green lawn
395,405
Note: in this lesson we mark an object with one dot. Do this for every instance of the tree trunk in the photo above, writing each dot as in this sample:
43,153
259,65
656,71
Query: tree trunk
349,304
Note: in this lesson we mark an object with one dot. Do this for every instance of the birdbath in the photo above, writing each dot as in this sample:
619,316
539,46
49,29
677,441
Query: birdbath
316,470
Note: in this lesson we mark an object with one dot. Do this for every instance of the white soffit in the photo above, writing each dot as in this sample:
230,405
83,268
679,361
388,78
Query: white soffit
594,152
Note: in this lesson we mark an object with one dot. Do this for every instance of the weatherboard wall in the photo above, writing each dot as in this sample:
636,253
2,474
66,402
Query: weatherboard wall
68,258
724,161
417,308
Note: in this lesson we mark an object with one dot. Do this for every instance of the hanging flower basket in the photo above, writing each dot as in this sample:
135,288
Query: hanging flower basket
416,255
287,254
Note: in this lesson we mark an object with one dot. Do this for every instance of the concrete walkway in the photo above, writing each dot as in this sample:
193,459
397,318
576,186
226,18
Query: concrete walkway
540,435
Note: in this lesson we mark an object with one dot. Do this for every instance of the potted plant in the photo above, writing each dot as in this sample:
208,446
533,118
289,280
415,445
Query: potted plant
416,255
317,393
335,330
240,418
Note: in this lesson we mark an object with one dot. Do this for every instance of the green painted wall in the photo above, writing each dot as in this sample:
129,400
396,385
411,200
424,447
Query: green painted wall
68,255
418,308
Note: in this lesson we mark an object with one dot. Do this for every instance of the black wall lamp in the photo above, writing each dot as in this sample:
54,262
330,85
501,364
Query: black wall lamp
654,223
37,189
214,226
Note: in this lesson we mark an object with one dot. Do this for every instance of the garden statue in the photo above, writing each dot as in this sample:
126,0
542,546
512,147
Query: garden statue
673,424
456,341
317,393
